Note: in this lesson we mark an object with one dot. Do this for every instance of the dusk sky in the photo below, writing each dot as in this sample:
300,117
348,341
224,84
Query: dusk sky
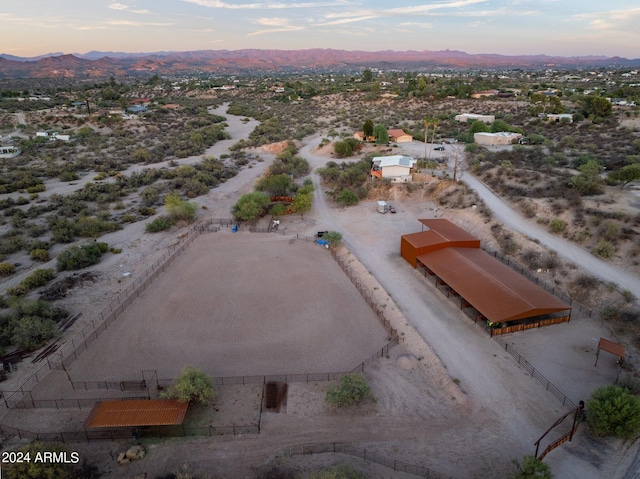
553,27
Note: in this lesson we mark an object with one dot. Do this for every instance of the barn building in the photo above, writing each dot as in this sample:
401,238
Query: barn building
493,293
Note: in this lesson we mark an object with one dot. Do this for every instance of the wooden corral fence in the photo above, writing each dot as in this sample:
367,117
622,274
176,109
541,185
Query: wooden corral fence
567,437
533,325
394,464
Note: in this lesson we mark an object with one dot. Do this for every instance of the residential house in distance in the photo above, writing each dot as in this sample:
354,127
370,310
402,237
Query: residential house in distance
397,167
466,117
557,117
53,135
399,136
9,151
496,139
484,94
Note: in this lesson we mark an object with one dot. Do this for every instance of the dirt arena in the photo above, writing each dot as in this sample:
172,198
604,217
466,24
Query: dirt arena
239,304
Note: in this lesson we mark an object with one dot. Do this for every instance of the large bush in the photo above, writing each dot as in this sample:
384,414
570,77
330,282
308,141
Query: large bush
78,257
614,411
353,389
193,385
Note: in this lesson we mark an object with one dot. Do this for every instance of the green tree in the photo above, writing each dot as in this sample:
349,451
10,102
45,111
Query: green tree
276,185
251,206
367,128
193,386
593,106
42,469
342,149
302,203
381,134
614,411
479,127
625,175
367,76
352,389
531,468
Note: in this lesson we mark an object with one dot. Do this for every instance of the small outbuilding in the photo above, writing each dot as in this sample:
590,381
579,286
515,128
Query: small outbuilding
136,413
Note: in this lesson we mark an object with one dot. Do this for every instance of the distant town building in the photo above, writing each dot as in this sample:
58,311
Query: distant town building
485,93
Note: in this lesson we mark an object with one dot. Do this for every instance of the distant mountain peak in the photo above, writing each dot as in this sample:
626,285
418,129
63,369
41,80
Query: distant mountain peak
247,61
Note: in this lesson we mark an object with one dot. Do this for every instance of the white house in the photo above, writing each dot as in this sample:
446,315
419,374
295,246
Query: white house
466,117
396,167
9,151
494,139
560,117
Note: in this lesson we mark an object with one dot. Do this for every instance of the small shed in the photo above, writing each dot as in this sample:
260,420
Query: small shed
136,413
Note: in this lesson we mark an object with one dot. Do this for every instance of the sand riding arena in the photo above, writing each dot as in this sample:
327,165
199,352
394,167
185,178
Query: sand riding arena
237,305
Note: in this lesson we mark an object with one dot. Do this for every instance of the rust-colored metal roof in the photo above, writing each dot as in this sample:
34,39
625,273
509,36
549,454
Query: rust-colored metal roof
495,290
611,347
448,230
131,413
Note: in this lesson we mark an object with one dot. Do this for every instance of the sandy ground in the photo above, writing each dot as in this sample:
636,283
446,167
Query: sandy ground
240,304
457,403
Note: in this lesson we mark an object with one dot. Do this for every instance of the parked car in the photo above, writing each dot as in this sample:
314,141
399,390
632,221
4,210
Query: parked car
439,148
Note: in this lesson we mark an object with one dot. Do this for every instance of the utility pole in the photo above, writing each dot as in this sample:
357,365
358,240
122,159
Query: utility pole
455,165
426,134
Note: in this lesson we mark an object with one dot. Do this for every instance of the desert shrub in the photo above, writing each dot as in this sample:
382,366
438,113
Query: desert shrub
278,209
38,278
531,468
347,197
161,223
353,389
19,289
193,386
179,210
31,332
557,225
609,230
78,257
39,254
7,269
333,237
614,411
604,249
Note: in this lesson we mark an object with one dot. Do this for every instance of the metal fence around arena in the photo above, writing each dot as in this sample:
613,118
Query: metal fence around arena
394,464
112,434
81,341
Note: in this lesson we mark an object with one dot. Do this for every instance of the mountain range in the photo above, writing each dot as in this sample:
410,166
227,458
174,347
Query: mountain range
255,61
